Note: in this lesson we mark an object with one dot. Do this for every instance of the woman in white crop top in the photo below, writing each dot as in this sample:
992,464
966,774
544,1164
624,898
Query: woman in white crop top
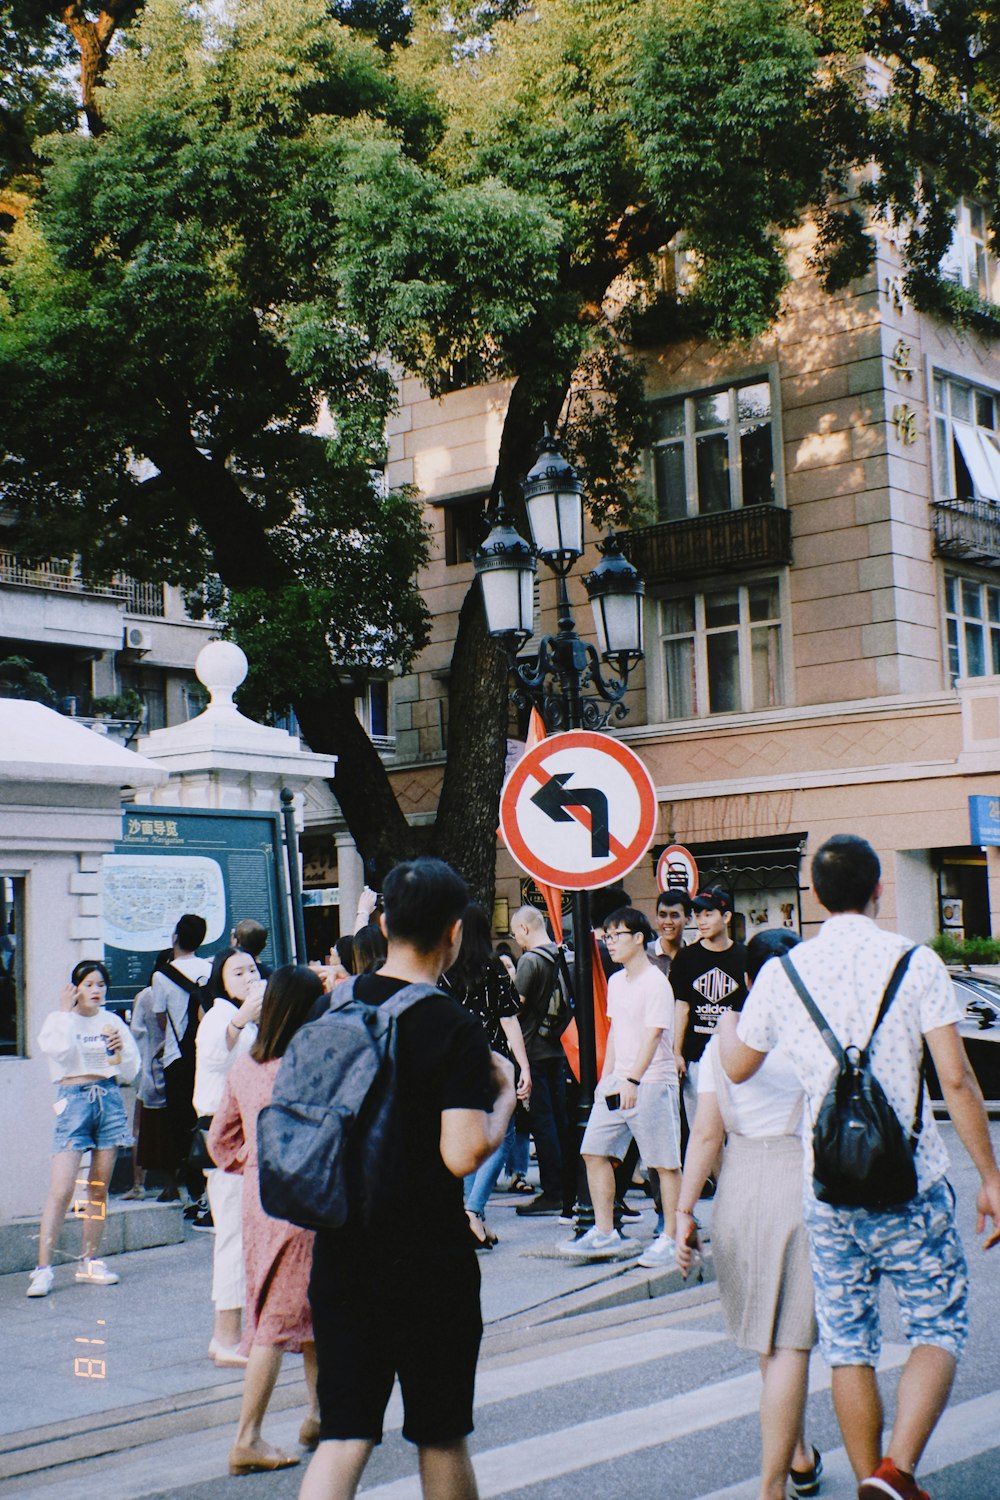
89,1049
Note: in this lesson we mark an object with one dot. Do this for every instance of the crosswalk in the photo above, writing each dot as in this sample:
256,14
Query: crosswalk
654,1404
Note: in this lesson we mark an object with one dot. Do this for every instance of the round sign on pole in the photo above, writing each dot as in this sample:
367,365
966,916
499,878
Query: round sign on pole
676,867
578,811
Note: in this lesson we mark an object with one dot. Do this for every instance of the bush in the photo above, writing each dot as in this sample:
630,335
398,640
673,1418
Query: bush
972,950
126,705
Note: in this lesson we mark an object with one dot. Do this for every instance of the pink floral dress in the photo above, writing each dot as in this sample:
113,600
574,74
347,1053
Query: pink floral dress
277,1255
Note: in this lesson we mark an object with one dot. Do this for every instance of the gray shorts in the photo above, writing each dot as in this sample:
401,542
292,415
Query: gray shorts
654,1125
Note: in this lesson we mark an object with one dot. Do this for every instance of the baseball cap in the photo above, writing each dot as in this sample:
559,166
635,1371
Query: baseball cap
712,900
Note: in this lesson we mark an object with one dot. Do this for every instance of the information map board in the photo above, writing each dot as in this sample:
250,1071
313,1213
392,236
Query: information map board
222,865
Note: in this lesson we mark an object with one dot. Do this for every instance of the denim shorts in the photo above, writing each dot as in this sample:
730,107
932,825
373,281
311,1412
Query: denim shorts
654,1125
915,1247
89,1117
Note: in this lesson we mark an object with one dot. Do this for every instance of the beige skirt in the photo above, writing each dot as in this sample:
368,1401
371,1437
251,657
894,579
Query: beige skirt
760,1247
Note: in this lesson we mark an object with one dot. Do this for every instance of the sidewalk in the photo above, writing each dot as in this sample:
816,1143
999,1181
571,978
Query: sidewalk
74,1396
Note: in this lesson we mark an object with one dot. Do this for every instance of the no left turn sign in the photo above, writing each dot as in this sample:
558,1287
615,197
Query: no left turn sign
578,811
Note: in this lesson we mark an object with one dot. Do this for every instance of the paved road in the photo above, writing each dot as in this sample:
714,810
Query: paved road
646,1400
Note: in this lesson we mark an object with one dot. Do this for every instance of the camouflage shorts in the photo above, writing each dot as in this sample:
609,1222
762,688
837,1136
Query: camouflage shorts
916,1248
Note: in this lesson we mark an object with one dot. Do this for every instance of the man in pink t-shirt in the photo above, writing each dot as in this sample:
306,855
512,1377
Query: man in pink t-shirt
636,1096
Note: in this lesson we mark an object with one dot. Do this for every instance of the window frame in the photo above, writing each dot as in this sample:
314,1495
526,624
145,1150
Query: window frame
969,261
945,437
991,628
689,444
657,669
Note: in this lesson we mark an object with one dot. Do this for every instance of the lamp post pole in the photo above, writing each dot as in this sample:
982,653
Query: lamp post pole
564,679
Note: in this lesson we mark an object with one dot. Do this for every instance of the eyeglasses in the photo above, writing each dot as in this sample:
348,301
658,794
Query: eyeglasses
619,932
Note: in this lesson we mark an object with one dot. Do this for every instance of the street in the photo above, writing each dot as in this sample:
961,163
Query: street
646,1398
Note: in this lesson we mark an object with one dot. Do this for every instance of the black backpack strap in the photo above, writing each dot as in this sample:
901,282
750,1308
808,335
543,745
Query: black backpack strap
895,980
891,990
813,1009
176,976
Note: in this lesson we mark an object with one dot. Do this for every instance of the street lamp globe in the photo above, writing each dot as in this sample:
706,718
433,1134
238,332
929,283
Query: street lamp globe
506,567
553,496
616,591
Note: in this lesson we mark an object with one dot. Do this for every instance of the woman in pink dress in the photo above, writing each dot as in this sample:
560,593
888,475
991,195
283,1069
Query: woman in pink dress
277,1255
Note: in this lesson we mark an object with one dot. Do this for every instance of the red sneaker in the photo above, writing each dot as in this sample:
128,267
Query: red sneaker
888,1480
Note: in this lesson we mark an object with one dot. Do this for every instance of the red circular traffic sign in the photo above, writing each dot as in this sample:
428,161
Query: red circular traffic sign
578,811
676,867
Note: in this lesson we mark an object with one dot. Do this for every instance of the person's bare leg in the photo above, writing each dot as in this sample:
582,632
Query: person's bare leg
785,1374
670,1191
858,1404
446,1471
258,1383
65,1166
601,1180
310,1370
227,1326
335,1470
921,1397
102,1164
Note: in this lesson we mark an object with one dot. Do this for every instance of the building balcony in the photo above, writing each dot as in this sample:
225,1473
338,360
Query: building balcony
967,529
727,541
64,576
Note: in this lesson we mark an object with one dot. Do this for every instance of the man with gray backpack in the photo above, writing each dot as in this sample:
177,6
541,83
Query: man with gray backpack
395,1281
851,1009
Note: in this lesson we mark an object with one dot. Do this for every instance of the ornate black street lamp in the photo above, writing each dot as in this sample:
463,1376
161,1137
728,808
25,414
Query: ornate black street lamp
564,678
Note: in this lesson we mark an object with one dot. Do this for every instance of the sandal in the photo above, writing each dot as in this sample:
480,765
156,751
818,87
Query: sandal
519,1184
480,1234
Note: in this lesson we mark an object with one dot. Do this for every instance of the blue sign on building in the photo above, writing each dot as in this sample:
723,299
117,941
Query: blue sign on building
984,820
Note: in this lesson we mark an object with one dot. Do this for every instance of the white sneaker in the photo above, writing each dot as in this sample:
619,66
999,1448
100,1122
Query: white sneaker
597,1246
662,1252
96,1273
40,1281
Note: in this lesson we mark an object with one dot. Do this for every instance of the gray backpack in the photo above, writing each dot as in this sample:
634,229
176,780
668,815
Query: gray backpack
327,1144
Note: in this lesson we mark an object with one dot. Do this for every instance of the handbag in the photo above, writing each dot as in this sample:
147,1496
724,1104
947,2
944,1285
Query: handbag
199,1155
862,1157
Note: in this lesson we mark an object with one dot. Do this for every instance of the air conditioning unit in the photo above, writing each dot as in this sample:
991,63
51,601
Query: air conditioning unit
138,638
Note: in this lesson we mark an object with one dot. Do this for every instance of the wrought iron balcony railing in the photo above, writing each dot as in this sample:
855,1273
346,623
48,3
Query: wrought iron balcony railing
699,546
968,529
63,575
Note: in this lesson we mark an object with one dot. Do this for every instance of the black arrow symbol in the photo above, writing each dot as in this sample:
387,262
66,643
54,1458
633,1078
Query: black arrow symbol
553,798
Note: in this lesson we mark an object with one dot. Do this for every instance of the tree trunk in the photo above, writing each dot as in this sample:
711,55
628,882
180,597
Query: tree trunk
361,785
478,711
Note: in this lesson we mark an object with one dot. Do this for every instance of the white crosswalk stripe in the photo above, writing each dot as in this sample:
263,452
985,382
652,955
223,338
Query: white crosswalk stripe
572,1449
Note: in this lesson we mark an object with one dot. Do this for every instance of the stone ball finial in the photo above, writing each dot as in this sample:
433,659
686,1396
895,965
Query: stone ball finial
221,666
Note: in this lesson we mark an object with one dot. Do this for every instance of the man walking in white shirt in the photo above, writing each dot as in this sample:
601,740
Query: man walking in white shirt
915,1246
637,1093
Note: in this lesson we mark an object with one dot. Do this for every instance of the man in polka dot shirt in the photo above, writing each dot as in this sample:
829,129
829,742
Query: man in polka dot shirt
846,968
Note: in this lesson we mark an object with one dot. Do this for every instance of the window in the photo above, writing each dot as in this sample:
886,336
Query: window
372,708
967,261
966,441
713,452
972,625
11,967
465,526
722,650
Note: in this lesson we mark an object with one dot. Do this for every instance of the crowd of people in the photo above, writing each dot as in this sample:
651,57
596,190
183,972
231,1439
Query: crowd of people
713,1076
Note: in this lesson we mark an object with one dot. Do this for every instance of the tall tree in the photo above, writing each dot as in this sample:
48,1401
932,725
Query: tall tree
276,202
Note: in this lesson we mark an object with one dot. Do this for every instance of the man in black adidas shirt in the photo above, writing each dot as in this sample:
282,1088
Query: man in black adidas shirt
708,978
402,1297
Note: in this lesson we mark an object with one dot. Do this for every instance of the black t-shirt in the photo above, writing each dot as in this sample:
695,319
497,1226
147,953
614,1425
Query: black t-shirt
710,983
442,1062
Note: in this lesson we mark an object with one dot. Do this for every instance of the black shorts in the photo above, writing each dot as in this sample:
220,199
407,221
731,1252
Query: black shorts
374,1319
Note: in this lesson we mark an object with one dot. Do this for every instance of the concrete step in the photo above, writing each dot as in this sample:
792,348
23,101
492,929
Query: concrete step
127,1226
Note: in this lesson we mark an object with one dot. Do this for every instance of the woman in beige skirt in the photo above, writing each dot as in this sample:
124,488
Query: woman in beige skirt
758,1237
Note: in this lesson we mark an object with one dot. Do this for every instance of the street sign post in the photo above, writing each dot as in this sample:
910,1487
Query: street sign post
578,811
676,867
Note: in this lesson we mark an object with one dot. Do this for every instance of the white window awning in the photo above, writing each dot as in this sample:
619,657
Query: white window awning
973,446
